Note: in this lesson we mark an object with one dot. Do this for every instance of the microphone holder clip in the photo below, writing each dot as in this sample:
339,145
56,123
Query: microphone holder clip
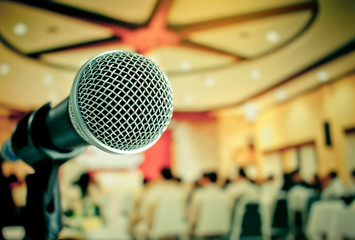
43,209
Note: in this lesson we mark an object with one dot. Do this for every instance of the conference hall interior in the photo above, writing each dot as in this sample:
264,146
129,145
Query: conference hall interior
261,142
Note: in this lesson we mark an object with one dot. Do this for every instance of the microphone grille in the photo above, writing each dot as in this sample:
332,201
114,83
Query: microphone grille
121,102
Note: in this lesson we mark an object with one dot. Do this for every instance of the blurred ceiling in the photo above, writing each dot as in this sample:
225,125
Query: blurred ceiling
234,56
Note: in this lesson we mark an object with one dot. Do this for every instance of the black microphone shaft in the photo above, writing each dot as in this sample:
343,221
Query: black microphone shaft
62,134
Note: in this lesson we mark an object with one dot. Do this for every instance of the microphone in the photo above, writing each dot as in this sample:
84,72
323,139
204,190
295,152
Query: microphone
120,102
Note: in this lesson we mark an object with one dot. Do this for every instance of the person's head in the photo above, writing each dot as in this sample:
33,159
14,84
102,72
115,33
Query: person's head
145,181
83,183
296,176
270,178
212,176
315,179
353,174
242,173
166,173
333,174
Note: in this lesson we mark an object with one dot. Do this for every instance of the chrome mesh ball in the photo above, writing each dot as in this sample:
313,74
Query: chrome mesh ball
121,102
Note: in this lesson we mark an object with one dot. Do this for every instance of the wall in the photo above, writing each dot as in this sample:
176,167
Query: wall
235,137
6,128
195,148
302,119
157,157
293,123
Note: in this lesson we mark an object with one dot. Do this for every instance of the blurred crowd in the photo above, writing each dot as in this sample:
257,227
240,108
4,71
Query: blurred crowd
211,207
231,209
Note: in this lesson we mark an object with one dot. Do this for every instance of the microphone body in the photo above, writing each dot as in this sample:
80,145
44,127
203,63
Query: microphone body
45,133
60,129
120,102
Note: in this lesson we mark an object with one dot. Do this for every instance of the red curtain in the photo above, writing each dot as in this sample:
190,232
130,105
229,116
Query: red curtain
157,157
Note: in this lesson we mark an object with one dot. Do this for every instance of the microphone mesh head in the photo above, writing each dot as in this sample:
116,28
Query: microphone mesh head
121,102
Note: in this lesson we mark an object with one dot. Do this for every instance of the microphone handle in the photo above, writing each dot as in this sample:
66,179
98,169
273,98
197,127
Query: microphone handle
63,137
38,136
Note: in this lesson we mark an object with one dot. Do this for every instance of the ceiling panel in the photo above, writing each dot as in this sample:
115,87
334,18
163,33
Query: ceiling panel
217,54
323,74
243,80
254,38
186,12
75,58
133,11
172,59
177,59
27,84
30,29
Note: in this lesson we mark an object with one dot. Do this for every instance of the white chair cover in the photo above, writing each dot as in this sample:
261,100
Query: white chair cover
213,216
342,224
169,218
239,211
320,217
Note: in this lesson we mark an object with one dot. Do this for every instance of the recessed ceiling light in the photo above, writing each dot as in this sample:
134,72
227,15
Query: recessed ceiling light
323,76
251,112
266,135
82,61
5,69
188,99
255,74
272,36
210,81
185,66
48,79
20,29
281,95
155,58
53,97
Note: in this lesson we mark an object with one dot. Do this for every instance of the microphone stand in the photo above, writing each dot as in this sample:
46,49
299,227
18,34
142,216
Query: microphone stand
43,209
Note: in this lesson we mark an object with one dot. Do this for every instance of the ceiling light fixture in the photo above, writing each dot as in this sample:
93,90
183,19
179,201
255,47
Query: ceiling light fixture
210,81
155,58
281,95
53,97
255,74
20,29
251,112
272,36
5,69
48,79
185,66
323,76
188,99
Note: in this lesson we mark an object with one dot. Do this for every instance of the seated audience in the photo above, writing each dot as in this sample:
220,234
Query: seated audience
352,184
11,172
240,186
334,189
142,217
208,191
288,181
268,195
269,190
